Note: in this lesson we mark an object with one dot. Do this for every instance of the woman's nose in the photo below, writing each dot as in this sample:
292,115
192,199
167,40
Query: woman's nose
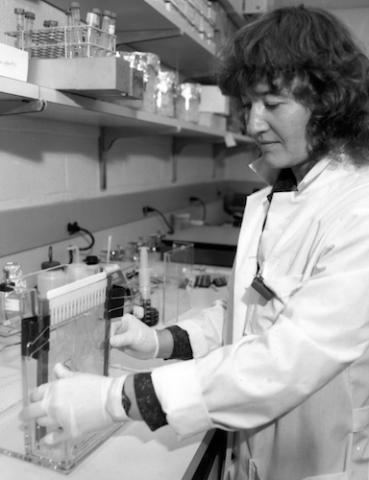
255,119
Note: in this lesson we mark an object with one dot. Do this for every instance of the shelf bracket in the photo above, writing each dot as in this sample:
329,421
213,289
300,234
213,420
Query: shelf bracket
109,135
107,138
20,107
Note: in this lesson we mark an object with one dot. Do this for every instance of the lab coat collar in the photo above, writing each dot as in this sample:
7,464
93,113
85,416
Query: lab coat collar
270,175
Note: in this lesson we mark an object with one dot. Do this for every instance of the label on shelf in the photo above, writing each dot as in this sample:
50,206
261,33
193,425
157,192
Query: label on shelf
13,62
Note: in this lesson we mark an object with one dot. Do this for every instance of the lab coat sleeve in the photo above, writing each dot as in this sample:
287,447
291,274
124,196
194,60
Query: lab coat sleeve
322,328
205,328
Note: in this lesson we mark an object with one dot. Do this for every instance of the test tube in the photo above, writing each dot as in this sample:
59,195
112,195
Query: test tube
97,25
111,30
76,34
75,11
113,21
97,12
92,21
105,22
29,20
68,34
19,22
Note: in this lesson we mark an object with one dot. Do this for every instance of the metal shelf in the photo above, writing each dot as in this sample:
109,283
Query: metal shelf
68,107
115,120
147,25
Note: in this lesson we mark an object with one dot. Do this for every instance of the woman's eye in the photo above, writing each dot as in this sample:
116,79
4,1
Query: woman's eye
271,106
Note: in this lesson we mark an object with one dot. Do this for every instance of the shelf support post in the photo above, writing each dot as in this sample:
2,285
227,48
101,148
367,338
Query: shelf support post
106,140
178,145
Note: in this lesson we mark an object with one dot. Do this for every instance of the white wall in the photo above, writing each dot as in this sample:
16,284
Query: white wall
357,19
44,162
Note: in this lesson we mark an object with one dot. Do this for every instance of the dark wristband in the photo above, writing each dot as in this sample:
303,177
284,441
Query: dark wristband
182,349
147,401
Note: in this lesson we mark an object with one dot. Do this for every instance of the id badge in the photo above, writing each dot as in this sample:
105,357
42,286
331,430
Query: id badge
259,285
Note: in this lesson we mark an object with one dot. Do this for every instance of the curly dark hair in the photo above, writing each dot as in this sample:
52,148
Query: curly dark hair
312,53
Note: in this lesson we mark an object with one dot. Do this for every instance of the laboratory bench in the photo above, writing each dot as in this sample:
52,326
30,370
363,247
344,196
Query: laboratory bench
213,244
133,452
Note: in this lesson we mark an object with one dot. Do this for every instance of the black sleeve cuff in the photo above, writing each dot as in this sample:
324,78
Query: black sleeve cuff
182,349
147,401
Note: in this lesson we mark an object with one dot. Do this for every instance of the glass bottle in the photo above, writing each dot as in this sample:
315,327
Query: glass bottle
165,94
12,289
149,64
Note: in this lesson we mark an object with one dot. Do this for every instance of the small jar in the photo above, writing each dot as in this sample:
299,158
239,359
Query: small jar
188,102
165,93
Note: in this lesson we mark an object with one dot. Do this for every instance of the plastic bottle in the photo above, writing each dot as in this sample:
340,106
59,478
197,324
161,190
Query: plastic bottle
52,276
76,269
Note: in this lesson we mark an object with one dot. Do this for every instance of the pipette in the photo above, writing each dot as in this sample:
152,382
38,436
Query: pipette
151,314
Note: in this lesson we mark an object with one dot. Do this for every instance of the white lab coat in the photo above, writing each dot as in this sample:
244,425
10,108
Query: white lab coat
293,379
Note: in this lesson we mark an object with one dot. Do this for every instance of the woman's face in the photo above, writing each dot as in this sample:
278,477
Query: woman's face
278,123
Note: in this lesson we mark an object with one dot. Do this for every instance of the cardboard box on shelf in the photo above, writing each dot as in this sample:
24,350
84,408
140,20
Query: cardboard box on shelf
13,62
212,100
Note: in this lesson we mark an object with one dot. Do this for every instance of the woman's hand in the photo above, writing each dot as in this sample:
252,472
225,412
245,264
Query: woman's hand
75,404
133,337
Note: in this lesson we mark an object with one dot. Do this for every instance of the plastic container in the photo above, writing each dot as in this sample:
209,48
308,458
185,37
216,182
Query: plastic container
181,221
149,64
165,94
49,279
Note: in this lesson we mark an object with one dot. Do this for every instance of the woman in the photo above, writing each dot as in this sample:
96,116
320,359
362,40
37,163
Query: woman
284,365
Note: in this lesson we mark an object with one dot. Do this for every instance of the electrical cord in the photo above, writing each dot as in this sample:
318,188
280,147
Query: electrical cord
75,228
146,210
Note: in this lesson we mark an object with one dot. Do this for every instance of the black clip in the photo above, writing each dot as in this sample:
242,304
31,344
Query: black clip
259,285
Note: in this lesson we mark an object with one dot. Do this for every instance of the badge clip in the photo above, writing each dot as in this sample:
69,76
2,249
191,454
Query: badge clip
259,285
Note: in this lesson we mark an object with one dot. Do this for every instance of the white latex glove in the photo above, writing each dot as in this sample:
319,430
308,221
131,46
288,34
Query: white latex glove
134,337
75,404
